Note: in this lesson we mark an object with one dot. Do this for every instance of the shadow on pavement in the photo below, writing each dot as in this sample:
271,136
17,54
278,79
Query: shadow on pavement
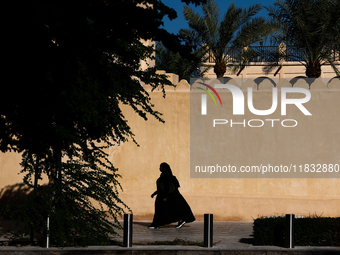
247,240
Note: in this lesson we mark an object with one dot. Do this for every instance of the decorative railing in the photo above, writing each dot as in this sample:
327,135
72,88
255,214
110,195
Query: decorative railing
270,54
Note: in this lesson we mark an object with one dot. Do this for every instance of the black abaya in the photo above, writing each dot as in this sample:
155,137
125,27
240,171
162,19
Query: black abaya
170,205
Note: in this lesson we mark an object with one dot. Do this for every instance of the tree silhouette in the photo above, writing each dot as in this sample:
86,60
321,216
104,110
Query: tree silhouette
69,67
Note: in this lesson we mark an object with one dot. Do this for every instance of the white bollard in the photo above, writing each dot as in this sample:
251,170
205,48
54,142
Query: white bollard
48,232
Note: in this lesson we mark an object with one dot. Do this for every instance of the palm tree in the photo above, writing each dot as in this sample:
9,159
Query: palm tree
311,29
223,37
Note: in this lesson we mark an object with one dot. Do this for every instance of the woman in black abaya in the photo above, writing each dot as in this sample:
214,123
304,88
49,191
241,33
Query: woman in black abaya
170,205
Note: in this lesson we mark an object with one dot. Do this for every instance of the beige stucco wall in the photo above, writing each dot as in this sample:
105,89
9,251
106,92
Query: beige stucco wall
227,199
10,169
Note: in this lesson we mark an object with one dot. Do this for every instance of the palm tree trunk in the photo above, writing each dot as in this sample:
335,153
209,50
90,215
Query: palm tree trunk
313,70
220,69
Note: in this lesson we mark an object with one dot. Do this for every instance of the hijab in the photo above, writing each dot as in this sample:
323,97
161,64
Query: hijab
166,170
167,175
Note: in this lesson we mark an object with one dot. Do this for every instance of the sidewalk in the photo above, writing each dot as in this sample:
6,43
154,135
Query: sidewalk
229,238
226,234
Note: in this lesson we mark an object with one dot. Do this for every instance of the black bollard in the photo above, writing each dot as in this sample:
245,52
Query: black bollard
127,238
289,242
208,230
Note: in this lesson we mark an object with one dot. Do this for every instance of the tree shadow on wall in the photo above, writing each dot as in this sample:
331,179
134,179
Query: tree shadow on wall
11,196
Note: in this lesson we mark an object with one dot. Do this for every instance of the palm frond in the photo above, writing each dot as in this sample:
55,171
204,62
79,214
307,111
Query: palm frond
195,21
311,27
225,37
247,13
